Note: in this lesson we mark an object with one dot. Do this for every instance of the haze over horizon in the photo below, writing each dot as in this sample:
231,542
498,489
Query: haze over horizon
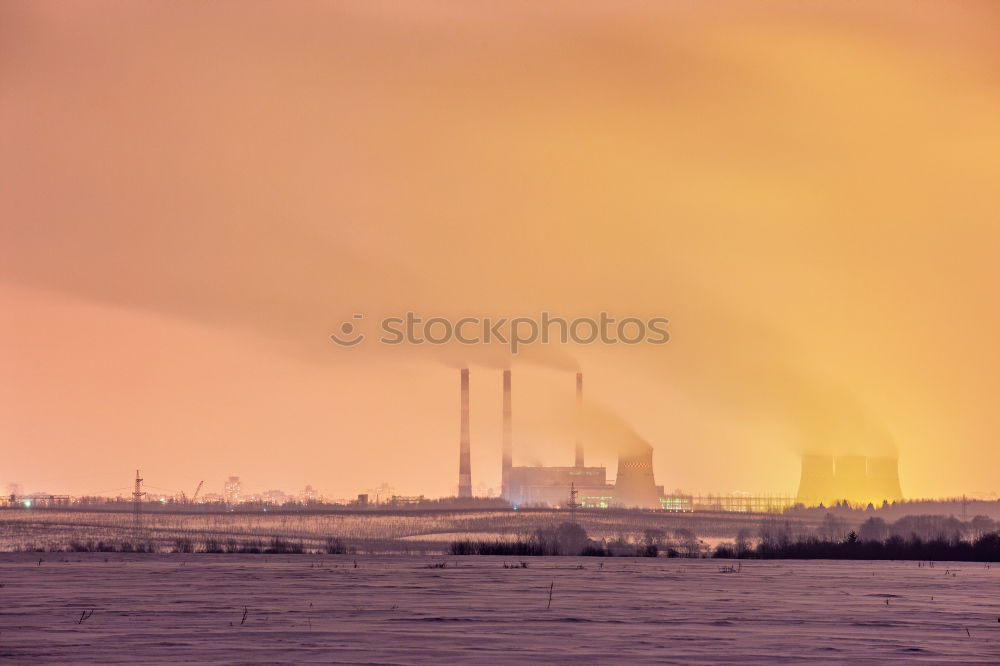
193,196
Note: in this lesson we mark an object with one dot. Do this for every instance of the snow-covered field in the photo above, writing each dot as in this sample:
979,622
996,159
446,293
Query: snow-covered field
365,531
323,608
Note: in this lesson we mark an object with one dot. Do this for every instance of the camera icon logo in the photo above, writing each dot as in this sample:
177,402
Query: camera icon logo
349,331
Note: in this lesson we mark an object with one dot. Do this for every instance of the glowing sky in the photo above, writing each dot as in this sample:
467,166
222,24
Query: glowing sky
194,195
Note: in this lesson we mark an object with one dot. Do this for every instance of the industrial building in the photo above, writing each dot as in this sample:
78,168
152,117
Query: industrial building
854,479
551,486
825,479
231,491
559,486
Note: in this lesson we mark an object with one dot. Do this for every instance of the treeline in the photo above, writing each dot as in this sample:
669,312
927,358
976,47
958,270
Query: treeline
276,545
565,539
985,548
909,538
925,527
899,508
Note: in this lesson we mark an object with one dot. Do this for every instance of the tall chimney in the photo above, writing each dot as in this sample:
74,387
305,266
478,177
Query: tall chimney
579,418
464,464
508,442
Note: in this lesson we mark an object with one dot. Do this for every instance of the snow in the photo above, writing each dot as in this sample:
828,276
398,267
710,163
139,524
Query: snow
399,609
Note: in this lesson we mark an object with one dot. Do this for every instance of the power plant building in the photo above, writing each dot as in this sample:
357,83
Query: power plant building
558,486
551,486
825,479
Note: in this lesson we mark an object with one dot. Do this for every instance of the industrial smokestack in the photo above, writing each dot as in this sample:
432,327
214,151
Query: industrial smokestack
464,464
508,442
579,418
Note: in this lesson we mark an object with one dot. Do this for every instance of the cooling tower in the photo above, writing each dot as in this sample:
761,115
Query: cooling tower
816,484
579,408
635,486
508,440
464,464
850,478
883,480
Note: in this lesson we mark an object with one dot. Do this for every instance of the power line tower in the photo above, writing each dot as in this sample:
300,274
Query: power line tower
137,496
573,504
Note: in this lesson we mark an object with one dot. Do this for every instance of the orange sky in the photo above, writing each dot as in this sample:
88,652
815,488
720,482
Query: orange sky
194,195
